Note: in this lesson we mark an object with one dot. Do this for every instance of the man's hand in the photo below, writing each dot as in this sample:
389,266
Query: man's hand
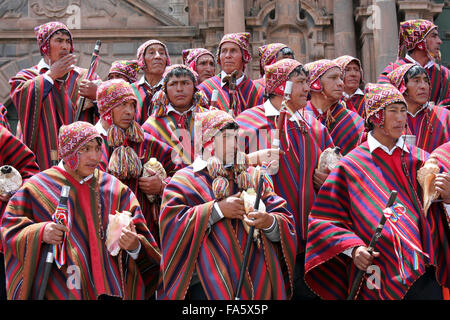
320,177
232,207
151,185
260,220
88,89
62,66
265,156
54,233
129,239
442,184
4,197
362,257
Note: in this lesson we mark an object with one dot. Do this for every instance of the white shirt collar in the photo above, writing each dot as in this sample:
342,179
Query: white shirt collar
143,80
271,111
199,164
223,75
425,106
170,108
100,129
358,92
374,144
429,64
42,64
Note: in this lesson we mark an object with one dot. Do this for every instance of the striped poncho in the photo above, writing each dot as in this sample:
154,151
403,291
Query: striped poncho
347,210
216,253
14,153
150,147
3,119
431,126
43,108
442,154
144,95
249,93
356,103
22,229
176,131
344,125
294,179
438,74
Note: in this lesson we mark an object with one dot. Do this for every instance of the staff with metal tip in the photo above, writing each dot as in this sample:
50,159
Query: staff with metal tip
358,279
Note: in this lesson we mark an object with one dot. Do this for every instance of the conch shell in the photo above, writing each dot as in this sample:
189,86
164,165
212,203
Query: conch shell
249,198
116,223
329,159
10,180
155,166
426,177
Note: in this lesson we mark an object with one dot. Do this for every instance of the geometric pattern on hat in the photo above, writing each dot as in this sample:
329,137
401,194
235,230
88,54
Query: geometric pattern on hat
267,53
378,96
210,123
278,73
111,94
74,136
44,33
127,68
343,62
317,69
397,76
242,39
145,45
412,33
190,56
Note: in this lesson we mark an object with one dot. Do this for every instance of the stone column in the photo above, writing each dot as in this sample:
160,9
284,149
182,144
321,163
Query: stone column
234,17
344,28
385,30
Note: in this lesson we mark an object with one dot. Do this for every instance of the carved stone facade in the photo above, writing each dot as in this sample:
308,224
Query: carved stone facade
314,29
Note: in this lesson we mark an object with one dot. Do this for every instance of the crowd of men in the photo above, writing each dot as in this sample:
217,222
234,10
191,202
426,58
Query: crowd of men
165,174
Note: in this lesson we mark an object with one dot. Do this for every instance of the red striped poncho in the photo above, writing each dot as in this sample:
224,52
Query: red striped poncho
144,95
216,253
150,147
294,179
178,133
249,93
43,108
31,209
442,154
431,126
356,104
347,210
438,74
14,153
3,119
344,126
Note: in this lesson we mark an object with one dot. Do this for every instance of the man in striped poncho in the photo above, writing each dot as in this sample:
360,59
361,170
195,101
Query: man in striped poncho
46,95
86,269
201,208
420,44
233,55
302,139
412,257
17,155
430,124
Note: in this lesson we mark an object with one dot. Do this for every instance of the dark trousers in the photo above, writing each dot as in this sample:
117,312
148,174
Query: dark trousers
2,278
301,290
196,292
425,288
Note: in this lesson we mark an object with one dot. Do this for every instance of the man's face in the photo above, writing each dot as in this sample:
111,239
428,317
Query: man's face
205,67
59,46
124,114
115,75
417,89
352,77
332,84
231,57
180,91
395,118
433,42
300,90
155,59
225,146
89,157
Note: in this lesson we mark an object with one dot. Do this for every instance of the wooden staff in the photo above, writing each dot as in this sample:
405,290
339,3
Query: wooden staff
91,71
49,257
358,279
231,81
249,238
